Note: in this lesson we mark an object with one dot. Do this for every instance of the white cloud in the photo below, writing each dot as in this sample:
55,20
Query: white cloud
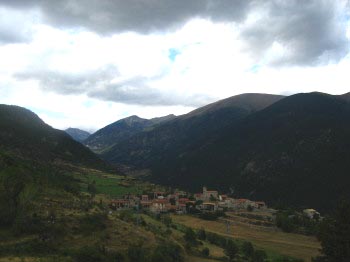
71,76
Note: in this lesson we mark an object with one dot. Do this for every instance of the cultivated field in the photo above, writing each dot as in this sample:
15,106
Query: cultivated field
295,245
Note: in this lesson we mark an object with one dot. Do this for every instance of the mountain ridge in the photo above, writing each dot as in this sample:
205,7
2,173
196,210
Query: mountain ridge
24,134
77,134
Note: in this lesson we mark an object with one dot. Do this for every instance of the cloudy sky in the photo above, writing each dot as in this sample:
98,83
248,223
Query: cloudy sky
87,63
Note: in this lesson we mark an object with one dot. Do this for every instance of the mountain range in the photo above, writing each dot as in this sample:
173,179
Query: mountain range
286,150
122,130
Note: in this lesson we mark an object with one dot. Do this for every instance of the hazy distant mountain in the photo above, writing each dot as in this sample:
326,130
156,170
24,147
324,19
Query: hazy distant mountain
24,134
121,130
176,137
77,134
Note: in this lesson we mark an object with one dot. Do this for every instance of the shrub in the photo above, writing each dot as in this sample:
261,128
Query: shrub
169,252
88,254
190,236
205,252
231,249
201,234
259,256
137,253
90,223
248,249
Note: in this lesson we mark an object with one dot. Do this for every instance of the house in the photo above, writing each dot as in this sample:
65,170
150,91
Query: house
242,203
159,205
144,198
260,205
222,197
145,201
183,200
158,194
311,213
119,203
209,194
181,209
198,196
208,206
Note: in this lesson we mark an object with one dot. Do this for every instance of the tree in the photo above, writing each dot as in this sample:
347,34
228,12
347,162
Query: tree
15,194
190,236
212,198
167,220
259,256
248,249
92,188
285,222
205,252
334,235
168,252
231,250
201,234
137,253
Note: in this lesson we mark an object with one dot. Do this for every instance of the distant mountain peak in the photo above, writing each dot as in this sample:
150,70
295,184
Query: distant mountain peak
132,119
77,134
247,101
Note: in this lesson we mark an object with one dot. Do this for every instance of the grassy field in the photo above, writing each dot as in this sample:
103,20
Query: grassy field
298,246
116,186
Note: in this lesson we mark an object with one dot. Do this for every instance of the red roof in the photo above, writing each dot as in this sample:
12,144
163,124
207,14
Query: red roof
260,203
160,201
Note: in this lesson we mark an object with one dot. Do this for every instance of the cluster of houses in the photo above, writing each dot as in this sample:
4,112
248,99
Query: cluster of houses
181,202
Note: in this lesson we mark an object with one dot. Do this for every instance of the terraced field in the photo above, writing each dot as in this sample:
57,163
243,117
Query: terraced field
295,245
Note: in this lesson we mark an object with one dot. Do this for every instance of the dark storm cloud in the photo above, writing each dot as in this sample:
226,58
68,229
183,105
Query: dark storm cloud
313,31
110,16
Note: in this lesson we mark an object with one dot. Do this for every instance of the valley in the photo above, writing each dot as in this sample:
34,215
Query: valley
142,195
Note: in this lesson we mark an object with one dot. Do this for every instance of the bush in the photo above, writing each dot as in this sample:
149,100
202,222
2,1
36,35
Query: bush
201,234
259,256
216,239
285,222
248,249
167,220
335,235
190,236
137,253
88,254
126,215
169,252
211,215
31,247
205,252
231,250
90,223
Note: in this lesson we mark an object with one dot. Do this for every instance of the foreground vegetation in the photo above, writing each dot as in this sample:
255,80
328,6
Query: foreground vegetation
61,213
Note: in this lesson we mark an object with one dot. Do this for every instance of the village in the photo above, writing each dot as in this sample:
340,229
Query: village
181,202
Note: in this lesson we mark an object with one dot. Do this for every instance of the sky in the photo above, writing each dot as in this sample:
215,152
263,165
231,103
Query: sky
88,63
